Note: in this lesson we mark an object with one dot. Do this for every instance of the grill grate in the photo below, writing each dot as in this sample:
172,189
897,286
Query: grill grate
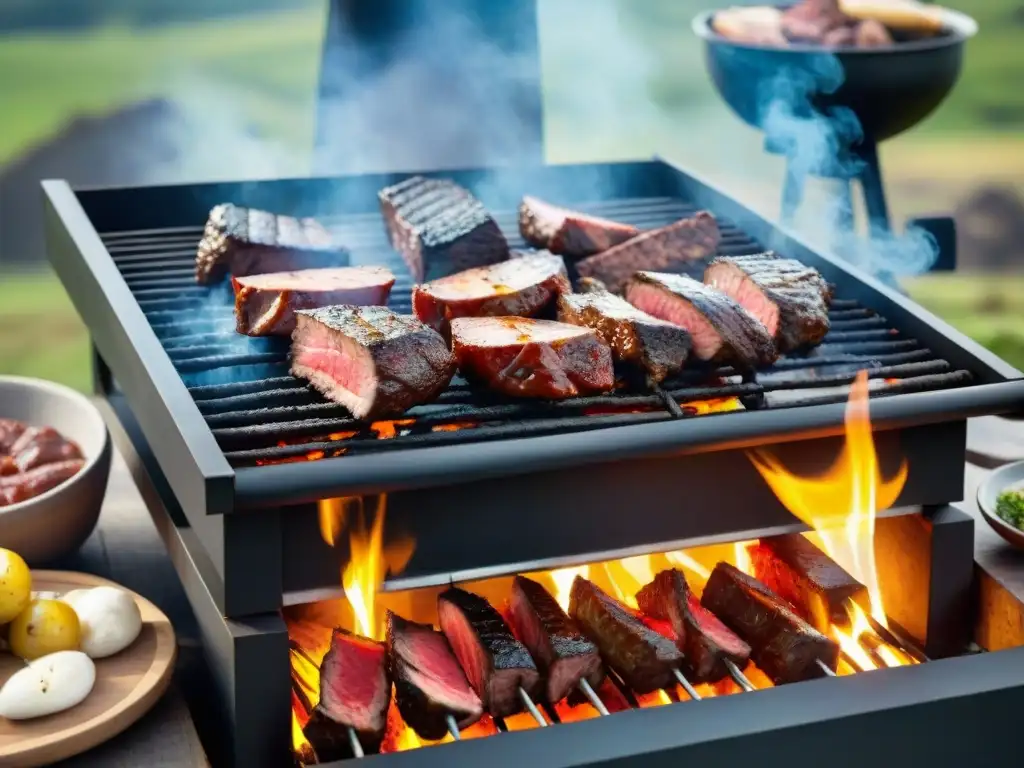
259,414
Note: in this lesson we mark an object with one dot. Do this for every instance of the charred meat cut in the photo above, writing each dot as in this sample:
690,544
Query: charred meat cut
785,647
244,241
37,446
355,692
704,640
676,245
265,304
372,361
643,657
532,358
789,299
807,578
569,233
720,329
496,664
563,653
439,228
15,488
429,683
657,347
524,286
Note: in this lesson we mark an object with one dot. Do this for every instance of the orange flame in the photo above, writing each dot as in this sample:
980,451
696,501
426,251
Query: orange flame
842,502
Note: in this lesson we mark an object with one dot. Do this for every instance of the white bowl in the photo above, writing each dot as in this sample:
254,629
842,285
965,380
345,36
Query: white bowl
1009,476
59,521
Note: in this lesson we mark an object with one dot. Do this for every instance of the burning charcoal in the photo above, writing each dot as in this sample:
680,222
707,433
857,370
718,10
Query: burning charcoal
721,330
807,578
789,299
372,361
244,241
643,657
429,684
671,247
532,358
439,228
496,664
554,640
655,346
785,647
524,286
568,233
265,304
37,446
355,692
704,640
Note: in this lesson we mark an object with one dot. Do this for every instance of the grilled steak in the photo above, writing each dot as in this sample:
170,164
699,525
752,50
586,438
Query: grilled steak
704,640
15,488
553,639
532,358
789,299
591,285
567,232
439,228
244,241
721,330
372,361
265,304
355,692
524,286
429,684
658,347
37,446
643,657
10,431
785,647
496,664
813,583
683,242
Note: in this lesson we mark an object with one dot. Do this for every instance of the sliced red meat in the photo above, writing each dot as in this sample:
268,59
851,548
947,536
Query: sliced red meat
7,466
10,431
555,641
245,241
532,358
665,249
495,662
39,480
371,360
721,330
265,304
524,286
643,657
785,647
429,683
569,233
704,640
42,445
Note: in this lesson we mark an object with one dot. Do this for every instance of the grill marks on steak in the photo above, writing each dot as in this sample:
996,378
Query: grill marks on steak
553,639
355,692
439,228
429,683
704,640
657,347
495,663
789,299
371,360
569,233
532,358
785,647
721,330
643,657
807,579
265,304
524,286
667,248
245,241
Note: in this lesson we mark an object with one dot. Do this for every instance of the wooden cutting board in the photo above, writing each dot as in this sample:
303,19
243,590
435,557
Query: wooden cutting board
127,685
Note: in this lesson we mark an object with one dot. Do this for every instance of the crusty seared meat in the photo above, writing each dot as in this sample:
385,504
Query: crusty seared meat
569,233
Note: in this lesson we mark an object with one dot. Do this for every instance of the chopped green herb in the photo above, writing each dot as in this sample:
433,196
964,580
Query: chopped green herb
1010,507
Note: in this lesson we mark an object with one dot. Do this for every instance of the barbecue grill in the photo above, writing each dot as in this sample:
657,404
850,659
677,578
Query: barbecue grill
233,456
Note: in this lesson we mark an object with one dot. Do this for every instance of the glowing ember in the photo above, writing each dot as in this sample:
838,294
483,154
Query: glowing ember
714,405
683,560
563,579
741,556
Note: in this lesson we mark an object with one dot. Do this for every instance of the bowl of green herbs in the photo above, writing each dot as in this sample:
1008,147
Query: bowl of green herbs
1001,501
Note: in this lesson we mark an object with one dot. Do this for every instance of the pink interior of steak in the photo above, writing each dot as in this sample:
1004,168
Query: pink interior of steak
330,279
471,655
436,670
497,279
664,305
713,627
336,365
662,626
731,281
508,331
524,620
353,684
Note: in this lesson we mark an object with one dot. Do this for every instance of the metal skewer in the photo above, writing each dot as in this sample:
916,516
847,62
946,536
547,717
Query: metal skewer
690,690
453,727
737,675
591,694
825,668
353,740
532,708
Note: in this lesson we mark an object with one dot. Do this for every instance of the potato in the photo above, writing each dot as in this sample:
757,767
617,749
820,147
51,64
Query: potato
110,619
44,627
15,585
48,685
